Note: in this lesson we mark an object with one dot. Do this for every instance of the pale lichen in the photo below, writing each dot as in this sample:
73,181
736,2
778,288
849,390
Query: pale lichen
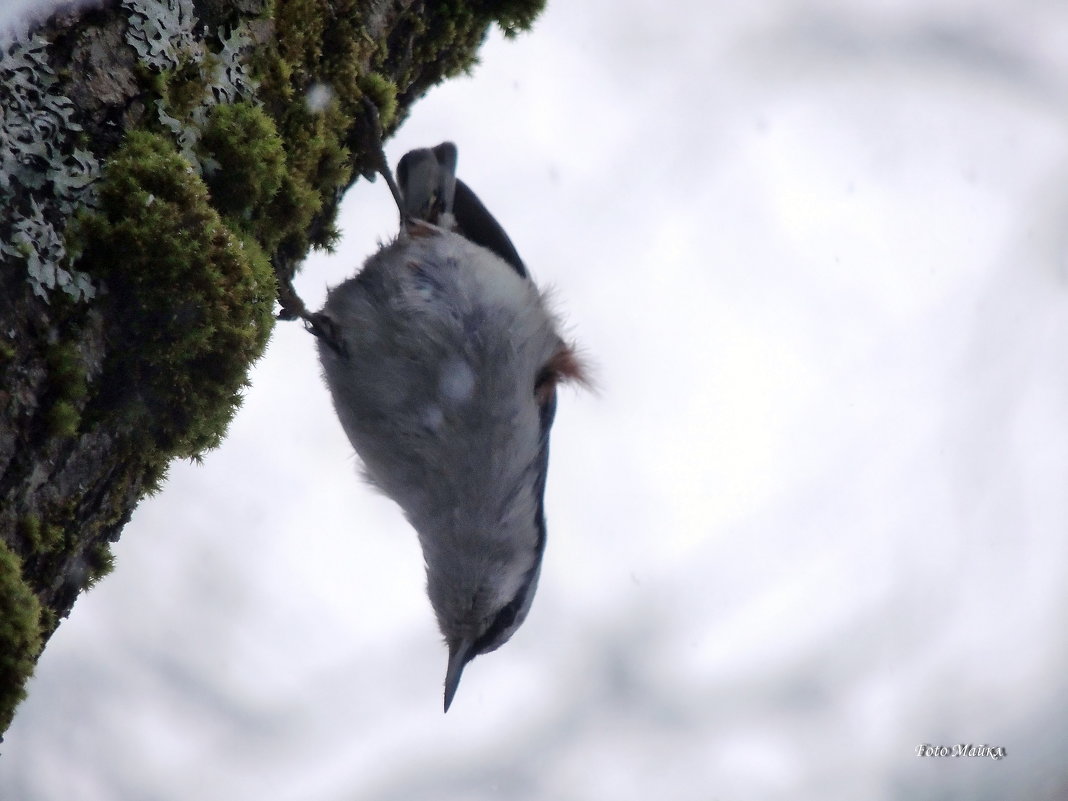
196,74
44,174
161,31
35,241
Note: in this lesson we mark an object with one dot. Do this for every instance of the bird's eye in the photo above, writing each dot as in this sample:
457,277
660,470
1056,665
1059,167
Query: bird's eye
563,366
507,616
499,630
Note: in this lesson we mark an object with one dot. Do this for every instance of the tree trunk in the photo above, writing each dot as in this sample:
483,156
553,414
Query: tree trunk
164,167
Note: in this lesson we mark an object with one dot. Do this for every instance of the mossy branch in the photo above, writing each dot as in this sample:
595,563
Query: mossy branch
165,167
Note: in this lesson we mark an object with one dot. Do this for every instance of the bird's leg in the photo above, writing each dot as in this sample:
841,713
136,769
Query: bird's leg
376,152
316,322
324,327
292,305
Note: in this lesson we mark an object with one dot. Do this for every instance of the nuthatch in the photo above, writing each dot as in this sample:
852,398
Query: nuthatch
443,362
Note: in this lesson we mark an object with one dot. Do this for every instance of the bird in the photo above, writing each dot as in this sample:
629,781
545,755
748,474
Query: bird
443,360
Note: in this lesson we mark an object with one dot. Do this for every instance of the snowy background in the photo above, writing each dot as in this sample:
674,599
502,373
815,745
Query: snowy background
814,517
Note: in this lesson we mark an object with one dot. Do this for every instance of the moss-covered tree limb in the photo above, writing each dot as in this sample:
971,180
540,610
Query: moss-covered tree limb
162,164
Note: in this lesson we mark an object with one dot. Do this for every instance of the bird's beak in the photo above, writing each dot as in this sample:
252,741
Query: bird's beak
460,654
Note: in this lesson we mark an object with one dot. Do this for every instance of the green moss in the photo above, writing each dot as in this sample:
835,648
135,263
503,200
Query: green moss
66,371
154,479
193,308
63,419
68,388
248,161
257,257
514,16
185,87
7,352
322,50
297,203
42,539
53,538
312,86
49,622
20,634
299,25
29,528
456,28
101,562
383,92
449,35
152,80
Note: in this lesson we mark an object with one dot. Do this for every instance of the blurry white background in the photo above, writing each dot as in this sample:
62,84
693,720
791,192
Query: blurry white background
814,518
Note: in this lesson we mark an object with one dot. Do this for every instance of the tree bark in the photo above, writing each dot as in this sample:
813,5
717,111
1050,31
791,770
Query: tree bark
165,166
